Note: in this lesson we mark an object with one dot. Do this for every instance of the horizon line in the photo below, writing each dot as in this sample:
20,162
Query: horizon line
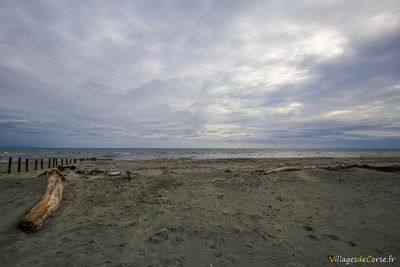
249,148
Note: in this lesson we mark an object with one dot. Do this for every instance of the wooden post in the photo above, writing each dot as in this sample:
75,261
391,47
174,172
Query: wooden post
26,164
49,162
62,161
19,164
35,164
9,164
54,162
74,160
41,164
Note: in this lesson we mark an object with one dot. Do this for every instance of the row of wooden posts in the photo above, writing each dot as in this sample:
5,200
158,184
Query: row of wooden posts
52,162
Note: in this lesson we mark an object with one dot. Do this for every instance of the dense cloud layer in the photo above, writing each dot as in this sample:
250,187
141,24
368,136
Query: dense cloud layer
200,73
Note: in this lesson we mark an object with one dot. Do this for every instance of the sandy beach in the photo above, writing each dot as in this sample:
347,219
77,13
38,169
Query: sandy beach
206,213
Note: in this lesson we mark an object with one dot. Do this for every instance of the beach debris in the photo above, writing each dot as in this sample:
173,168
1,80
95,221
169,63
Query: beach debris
71,167
95,172
290,169
390,168
261,234
114,173
62,168
217,180
92,172
47,205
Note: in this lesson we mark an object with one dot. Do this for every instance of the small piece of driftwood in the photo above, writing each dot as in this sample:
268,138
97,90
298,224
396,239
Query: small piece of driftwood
47,205
71,167
95,172
390,168
216,180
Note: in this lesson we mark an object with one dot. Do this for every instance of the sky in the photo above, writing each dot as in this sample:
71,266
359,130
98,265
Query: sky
254,74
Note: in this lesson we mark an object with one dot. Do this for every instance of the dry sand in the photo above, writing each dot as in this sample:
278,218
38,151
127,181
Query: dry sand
169,213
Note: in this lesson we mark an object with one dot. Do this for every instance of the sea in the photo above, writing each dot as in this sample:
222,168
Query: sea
187,153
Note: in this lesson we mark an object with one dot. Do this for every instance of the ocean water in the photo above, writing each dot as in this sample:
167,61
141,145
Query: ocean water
189,153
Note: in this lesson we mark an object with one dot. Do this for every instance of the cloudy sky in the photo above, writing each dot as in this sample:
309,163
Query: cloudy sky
200,73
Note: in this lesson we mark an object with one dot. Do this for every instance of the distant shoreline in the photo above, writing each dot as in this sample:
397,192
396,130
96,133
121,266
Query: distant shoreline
189,153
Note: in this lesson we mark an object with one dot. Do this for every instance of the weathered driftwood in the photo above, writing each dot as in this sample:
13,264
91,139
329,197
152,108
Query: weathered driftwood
217,180
393,168
71,167
47,205
290,169
390,168
96,172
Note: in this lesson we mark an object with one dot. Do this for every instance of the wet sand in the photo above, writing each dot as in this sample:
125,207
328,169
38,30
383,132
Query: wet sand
206,213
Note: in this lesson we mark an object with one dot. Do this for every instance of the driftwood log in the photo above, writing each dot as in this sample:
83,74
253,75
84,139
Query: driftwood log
47,205
290,169
392,168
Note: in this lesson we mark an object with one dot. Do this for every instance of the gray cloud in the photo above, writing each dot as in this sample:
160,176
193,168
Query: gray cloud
200,73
